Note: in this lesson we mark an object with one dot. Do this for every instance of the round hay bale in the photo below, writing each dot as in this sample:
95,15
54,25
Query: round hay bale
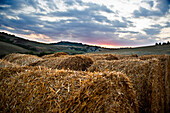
59,54
102,56
147,78
165,64
22,59
52,62
78,62
44,90
111,57
12,56
134,55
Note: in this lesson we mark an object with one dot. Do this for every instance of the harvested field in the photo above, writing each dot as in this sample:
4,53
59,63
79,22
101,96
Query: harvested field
78,63
147,78
59,54
4,63
38,89
22,59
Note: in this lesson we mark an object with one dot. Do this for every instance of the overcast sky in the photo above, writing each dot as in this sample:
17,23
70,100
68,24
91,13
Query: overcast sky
98,22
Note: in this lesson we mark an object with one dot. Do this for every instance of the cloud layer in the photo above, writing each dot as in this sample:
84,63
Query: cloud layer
117,23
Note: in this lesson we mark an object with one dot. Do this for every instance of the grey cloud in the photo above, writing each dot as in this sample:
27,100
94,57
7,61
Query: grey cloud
152,31
162,5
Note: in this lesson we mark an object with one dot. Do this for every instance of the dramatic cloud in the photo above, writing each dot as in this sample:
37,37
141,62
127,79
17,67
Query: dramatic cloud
113,23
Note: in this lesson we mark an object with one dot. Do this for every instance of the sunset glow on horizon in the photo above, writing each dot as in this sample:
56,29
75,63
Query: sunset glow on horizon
118,23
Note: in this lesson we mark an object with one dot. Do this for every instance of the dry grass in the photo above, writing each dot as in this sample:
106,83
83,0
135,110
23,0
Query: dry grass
4,63
147,78
37,89
59,54
77,62
22,59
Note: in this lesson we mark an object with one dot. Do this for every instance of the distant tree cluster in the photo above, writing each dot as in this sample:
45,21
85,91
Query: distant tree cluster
164,43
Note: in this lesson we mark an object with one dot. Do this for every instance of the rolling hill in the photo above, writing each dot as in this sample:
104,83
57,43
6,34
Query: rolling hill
12,44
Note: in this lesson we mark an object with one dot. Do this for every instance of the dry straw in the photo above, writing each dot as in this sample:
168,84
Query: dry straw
165,63
78,62
4,63
52,62
37,89
22,59
102,56
59,54
147,79
111,56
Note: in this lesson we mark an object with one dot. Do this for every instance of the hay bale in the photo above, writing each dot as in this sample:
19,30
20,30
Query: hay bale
165,63
44,90
102,56
12,56
147,79
59,54
22,59
78,62
134,55
4,63
49,62
111,57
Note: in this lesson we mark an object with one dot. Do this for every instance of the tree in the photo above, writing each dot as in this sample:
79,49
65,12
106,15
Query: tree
156,44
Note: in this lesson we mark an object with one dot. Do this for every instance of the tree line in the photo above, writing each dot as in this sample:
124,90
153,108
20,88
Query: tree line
163,43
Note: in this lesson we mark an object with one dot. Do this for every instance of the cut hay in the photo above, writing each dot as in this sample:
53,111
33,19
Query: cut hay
147,79
43,90
102,56
49,62
4,63
22,59
78,62
59,54
165,62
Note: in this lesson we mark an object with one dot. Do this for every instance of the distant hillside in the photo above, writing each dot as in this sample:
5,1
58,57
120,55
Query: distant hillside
148,50
18,44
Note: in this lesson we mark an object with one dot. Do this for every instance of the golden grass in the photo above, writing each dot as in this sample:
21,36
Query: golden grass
38,89
147,78
59,54
22,59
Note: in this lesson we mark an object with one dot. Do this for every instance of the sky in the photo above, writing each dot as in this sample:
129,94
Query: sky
107,23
